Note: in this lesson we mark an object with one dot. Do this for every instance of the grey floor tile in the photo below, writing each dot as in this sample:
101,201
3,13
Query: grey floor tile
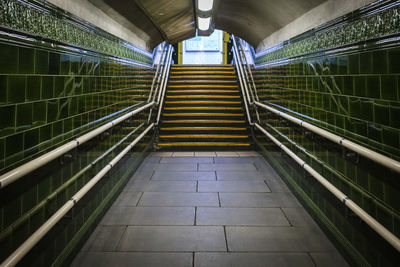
328,259
104,238
227,167
127,199
258,200
149,216
232,186
161,154
299,217
277,185
241,216
166,186
152,159
276,239
227,154
188,160
162,199
215,259
249,154
176,167
205,154
239,175
183,154
137,259
172,175
236,160
173,238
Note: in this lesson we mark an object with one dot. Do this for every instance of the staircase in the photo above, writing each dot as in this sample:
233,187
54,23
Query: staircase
203,110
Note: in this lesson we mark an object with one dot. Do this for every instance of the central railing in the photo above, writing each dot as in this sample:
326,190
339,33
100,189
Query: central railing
251,100
154,101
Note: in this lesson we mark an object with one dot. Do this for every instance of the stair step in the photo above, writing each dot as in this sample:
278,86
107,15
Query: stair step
204,121
203,96
173,72
204,136
203,128
203,114
212,144
202,102
203,81
202,86
203,77
202,91
203,108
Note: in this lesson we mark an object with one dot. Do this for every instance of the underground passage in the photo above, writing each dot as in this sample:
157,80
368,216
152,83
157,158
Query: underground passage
226,133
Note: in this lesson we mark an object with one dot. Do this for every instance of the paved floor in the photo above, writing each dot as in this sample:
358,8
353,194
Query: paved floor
207,209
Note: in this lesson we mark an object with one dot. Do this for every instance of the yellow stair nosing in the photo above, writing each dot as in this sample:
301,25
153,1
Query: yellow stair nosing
172,72
202,108
203,136
202,96
203,144
202,81
204,121
202,91
204,114
202,77
202,102
203,86
203,129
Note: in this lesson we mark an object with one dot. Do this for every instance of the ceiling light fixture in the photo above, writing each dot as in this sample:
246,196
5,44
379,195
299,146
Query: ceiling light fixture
204,23
205,5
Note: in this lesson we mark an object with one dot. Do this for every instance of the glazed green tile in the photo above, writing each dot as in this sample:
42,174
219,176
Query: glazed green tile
68,126
65,64
3,89
395,114
7,122
52,110
391,137
31,140
389,89
45,133
75,64
33,88
8,58
14,144
373,87
24,116
47,87
63,108
59,86
26,61
57,130
39,113
382,112
380,62
360,86
353,66
394,59
375,132
77,87
16,89
366,64
54,63
41,62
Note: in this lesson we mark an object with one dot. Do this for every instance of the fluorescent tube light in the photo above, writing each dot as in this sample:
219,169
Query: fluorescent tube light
205,5
204,23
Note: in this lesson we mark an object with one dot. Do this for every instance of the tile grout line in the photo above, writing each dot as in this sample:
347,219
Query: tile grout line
311,258
226,239
265,182
195,216
140,198
287,218
193,259
197,186
119,240
219,200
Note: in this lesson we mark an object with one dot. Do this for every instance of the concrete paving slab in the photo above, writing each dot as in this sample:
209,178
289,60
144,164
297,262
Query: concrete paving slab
239,175
187,160
104,238
241,216
185,176
173,238
233,186
227,167
167,199
258,200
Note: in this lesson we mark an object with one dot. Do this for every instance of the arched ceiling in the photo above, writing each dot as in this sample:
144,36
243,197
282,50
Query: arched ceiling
174,20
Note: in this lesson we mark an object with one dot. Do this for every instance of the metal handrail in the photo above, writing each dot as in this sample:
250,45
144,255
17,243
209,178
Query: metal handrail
17,173
243,85
157,73
164,84
22,250
250,73
368,153
363,215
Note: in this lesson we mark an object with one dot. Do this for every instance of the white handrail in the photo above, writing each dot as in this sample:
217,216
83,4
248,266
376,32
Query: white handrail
368,153
22,250
243,85
34,164
374,224
164,84
156,74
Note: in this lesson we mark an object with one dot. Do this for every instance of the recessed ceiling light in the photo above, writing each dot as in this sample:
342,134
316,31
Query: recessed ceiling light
204,23
205,5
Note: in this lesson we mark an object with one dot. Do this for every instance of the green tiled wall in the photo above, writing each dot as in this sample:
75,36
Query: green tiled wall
353,92
50,93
